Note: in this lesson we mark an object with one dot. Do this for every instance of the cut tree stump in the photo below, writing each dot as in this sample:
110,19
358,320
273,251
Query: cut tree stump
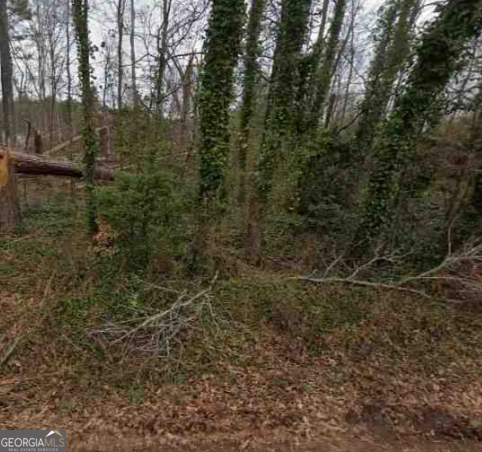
10,214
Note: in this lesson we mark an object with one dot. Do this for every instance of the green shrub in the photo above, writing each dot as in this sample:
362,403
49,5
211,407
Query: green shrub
147,219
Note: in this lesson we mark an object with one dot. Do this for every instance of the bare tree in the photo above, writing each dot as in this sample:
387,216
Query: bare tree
7,77
162,47
108,86
68,66
135,91
55,33
120,11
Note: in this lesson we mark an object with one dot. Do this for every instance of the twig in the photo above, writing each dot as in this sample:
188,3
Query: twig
21,239
161,315
157,332
9,351
332,265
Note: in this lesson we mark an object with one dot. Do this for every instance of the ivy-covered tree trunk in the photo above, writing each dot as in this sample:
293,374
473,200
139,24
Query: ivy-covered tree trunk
308,80
394,39
311,152
325,71
223,46
438,57
281,111
80,12
251,77
319,46
391,55
223,43
476,145
471,214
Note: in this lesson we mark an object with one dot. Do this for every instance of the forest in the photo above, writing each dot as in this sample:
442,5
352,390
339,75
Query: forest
242,224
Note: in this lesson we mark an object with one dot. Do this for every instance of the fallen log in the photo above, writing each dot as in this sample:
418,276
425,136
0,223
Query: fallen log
32,164
60,148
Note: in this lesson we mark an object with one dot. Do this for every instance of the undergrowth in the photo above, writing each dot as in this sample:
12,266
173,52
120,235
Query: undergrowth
56,289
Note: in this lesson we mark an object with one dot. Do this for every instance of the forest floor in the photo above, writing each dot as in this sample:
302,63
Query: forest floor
370,372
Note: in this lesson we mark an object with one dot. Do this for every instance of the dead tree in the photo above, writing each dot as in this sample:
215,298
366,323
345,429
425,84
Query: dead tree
37,142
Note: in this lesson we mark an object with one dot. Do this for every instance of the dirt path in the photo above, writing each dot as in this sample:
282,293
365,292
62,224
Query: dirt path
275,441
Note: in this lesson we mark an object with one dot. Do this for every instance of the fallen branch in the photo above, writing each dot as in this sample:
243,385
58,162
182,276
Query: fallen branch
449,271
356,282
155,334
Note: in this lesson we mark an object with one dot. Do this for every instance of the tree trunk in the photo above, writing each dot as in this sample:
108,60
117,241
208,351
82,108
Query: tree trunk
135,92
70,123
53,94
391,56
187,93
282,116
320,40
121,4
42,57
35,165
326,71
162,43
472,216
346,99
280,113
223,47
80,9
251,77
252,236
7,78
